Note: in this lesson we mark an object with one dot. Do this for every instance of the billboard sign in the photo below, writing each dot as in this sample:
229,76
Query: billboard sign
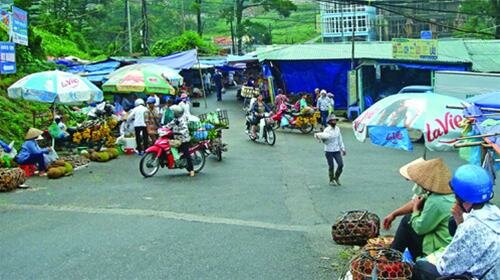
7,58
415,49
19,26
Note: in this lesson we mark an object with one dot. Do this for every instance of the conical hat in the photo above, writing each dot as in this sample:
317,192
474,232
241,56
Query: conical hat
432,175
404,169
33,133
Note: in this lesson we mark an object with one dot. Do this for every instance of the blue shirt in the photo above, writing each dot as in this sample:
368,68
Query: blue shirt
30,147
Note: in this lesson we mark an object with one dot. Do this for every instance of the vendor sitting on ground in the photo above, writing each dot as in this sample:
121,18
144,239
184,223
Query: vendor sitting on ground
475,248
31,153
424,227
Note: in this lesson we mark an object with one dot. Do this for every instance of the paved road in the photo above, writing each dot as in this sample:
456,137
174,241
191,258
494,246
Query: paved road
262,213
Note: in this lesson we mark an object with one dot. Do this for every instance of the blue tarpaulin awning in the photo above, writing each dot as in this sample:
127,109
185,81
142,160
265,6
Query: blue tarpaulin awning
305,76
181,60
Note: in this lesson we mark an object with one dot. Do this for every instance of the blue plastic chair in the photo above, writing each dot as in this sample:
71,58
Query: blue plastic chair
356,109
353,109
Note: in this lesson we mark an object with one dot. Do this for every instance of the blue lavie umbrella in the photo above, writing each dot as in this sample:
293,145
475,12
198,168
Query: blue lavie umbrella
426,112
55,87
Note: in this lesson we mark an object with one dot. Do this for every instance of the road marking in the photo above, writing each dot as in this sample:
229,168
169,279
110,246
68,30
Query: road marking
167,215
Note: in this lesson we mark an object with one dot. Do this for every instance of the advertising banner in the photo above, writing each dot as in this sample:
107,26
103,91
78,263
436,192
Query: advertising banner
7,58
5,19
19,26
415,49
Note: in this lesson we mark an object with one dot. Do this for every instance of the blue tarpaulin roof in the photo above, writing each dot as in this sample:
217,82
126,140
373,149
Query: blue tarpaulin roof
182,60
95,72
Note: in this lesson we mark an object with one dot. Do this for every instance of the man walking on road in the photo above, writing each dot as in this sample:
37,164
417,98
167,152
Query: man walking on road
334,149
218,84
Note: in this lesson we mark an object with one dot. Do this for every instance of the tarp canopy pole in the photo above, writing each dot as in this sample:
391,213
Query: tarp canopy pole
201,79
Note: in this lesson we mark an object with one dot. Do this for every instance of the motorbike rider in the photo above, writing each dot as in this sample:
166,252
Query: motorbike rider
259,109
179,126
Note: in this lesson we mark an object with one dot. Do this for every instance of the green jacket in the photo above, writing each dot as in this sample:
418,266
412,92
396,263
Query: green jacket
168,116
432,222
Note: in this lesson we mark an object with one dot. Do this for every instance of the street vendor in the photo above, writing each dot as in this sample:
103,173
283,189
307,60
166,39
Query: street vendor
424,227
181,131
475,248
259,108
31,153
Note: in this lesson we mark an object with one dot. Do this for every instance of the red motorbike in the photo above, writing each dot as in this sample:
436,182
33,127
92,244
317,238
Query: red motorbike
286,111
161,155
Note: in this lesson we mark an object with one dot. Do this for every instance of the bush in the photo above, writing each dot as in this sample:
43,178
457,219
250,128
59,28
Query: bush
187,41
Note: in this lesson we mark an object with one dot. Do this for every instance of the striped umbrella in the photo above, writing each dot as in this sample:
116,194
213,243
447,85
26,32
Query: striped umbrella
147,78
55,87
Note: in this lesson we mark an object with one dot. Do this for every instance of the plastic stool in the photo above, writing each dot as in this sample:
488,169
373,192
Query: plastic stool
29,169
353,109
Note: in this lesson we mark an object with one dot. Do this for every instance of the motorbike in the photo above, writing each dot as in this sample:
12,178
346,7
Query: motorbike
295,120
161,154
265,131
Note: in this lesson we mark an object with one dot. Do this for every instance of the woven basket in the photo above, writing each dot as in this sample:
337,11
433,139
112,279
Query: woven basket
11,178
386,262
355,228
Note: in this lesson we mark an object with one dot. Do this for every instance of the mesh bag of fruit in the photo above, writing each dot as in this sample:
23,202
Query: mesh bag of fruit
379,263
355,228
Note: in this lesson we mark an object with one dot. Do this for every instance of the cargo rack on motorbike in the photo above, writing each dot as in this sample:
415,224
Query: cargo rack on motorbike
218,118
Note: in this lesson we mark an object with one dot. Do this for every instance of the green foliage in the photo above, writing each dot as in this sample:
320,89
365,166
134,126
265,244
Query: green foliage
187,41
57,46
474,23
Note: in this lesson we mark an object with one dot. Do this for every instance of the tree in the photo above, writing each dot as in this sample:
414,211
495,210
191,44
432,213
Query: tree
484,17
282,7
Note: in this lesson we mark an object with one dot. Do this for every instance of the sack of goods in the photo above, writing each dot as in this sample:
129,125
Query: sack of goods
355,228
11,178
200,135
379,263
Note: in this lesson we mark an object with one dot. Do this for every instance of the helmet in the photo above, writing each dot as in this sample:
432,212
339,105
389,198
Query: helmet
472,184
178,110
184,96
138,102
151,100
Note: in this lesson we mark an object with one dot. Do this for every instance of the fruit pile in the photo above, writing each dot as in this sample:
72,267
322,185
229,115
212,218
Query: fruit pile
106,155
386,262
59,168
11,178
97,133
308,119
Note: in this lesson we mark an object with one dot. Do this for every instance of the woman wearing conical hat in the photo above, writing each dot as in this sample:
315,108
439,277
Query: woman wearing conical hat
424,227
31,153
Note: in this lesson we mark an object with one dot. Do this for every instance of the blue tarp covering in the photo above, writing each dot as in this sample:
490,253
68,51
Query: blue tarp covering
226,68
425,66
305,76
95,72
488,100
182,60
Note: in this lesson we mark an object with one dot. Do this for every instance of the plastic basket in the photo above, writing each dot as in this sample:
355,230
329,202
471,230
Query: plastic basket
218,118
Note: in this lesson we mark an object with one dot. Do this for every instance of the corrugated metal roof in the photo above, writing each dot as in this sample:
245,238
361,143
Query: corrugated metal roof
483,54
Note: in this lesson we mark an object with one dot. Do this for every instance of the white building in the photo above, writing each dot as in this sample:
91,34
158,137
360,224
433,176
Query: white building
338,21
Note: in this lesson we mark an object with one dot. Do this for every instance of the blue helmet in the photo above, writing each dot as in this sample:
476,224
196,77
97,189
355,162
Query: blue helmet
151,100
472,184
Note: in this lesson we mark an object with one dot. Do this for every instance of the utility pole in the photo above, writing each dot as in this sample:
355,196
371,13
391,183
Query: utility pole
236,36
353,26
233,49
129,26
183,22
145,28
